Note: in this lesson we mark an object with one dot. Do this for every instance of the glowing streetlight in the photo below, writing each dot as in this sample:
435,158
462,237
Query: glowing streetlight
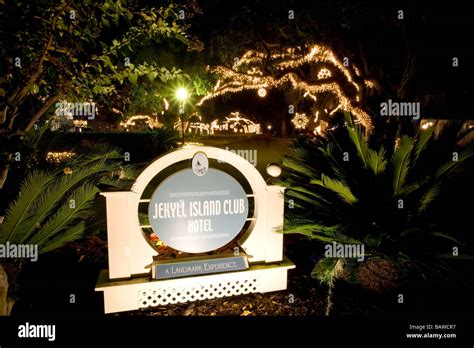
182,94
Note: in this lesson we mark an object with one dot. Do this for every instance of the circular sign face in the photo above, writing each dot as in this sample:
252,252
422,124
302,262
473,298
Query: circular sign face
198,213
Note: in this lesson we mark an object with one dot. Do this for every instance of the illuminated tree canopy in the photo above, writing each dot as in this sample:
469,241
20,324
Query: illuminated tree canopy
315,72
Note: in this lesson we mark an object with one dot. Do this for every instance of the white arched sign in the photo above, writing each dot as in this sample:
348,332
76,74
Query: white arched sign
218,215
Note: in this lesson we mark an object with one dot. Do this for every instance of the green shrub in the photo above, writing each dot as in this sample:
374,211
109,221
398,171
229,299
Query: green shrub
347,191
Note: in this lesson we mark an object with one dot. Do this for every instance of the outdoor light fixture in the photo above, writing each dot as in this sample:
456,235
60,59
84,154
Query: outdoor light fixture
324,74
182,94
274,170
262,92
300,120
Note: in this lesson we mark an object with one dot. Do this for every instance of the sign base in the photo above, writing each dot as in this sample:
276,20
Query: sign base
141,292
199,265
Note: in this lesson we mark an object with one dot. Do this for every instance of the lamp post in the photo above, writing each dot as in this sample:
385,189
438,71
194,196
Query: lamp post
182,95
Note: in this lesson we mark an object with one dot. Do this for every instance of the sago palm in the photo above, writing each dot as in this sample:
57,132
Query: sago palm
346,191
54,207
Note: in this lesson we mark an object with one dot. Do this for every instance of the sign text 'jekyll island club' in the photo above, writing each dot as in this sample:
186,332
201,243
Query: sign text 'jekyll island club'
198,210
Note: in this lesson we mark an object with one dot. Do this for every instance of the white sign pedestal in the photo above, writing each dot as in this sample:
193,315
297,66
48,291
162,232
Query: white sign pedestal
126,284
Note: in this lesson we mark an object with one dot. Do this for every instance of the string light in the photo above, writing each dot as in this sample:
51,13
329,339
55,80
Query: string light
312,96
262,92
334,110
356,70
230,123
300,120
80,123
369,83
59,157
324,74
426,125
194,123
238,78
149,121
397,143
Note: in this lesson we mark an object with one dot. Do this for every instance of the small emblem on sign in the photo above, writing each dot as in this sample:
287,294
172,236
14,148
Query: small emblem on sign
200,164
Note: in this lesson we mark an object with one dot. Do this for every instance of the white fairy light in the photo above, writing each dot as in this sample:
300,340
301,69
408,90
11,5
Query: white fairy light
233,81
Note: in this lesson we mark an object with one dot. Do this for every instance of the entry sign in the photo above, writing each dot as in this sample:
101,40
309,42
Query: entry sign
196,210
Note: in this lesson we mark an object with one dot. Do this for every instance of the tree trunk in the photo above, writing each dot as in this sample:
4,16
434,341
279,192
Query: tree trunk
4,171
6,304
36,116
284,133
43,109
3,177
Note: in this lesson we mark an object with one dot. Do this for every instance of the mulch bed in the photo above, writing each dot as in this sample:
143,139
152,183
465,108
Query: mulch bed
303,297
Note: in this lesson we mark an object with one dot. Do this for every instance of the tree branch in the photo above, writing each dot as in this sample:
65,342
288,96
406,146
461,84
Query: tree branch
16,98
45,107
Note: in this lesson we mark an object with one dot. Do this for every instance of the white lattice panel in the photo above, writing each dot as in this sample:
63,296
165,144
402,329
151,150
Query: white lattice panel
149,297
132,294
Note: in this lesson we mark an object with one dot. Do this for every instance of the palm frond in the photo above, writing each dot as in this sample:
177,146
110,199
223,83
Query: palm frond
348,118
305,201
357,138
324,233
401,163
376,161
338,187
422,141
428,197
102,152
457,257
20,210
310,193
71,234
297,167
445,236
410,188
326,269
130,172
338,170
45,205
66,215
309,231
450,165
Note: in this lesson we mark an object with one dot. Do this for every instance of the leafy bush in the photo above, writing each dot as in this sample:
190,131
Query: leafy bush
347,191
55,207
